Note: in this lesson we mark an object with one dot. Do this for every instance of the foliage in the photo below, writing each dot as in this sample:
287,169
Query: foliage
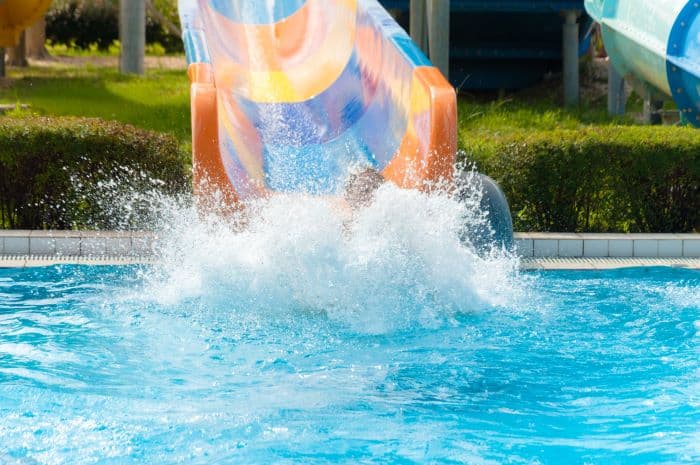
82,24
73,50
93,50
595,178
52,171
168,8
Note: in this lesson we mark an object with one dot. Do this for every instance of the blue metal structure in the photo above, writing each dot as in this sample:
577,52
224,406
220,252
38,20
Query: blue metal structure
504,44
656,41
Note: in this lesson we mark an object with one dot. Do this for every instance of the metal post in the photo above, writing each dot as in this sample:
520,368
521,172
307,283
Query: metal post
652,109
418,23
2,62
132,34
439,34
616,92
570,53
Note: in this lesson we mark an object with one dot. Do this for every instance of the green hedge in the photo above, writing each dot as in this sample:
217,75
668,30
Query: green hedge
87,22
70,172
596,179
65,172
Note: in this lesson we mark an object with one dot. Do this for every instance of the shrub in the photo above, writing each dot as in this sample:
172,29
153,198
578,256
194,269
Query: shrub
596,179
84,23
70,172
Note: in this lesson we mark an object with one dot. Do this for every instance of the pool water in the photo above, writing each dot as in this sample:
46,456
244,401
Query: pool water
574,368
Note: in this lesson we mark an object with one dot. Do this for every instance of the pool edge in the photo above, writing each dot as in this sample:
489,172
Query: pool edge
606,263
547,251
530,264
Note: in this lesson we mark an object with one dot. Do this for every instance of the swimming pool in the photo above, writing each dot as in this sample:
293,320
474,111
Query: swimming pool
579,367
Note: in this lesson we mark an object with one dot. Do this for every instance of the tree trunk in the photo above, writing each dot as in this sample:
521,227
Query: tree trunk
36,37
17,56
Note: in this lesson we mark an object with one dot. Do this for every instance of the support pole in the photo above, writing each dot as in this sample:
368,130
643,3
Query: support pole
439,34
652,109
570,53
3,73
417,24
132,34
617,98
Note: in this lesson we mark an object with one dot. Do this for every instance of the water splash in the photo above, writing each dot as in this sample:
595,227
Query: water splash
396,263
400,261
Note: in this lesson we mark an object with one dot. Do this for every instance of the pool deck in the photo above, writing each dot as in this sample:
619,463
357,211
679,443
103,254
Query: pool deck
542,251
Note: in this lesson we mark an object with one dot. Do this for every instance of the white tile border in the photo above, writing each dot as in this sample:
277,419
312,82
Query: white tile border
532,263
142,245
30,261
77,243
590,245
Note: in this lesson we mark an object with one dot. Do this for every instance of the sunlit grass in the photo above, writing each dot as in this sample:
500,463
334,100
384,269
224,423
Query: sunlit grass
537,109
158,101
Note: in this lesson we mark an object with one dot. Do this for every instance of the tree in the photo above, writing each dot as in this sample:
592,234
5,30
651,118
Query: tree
17,55
31,45
36,41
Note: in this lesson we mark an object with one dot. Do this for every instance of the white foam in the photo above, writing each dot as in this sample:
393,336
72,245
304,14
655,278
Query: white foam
396,263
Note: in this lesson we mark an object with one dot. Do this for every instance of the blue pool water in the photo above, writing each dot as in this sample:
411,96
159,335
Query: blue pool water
575,367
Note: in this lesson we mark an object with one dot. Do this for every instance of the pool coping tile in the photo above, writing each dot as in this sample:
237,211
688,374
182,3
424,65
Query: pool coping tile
691,247
670,248
620,248
648,248
596,248
545,247
539,245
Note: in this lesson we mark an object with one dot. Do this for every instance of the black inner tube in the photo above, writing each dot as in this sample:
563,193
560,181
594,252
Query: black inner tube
499,228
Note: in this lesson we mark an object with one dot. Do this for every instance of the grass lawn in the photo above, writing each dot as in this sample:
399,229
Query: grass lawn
541,107
158,101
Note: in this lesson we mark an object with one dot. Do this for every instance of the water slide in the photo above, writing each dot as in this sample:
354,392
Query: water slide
658,43
289,95
16,16
293,95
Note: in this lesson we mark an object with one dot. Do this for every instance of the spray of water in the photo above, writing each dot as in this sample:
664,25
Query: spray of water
396,263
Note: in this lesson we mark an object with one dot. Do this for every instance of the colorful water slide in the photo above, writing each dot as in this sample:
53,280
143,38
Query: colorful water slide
291,95
657,42
16,16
